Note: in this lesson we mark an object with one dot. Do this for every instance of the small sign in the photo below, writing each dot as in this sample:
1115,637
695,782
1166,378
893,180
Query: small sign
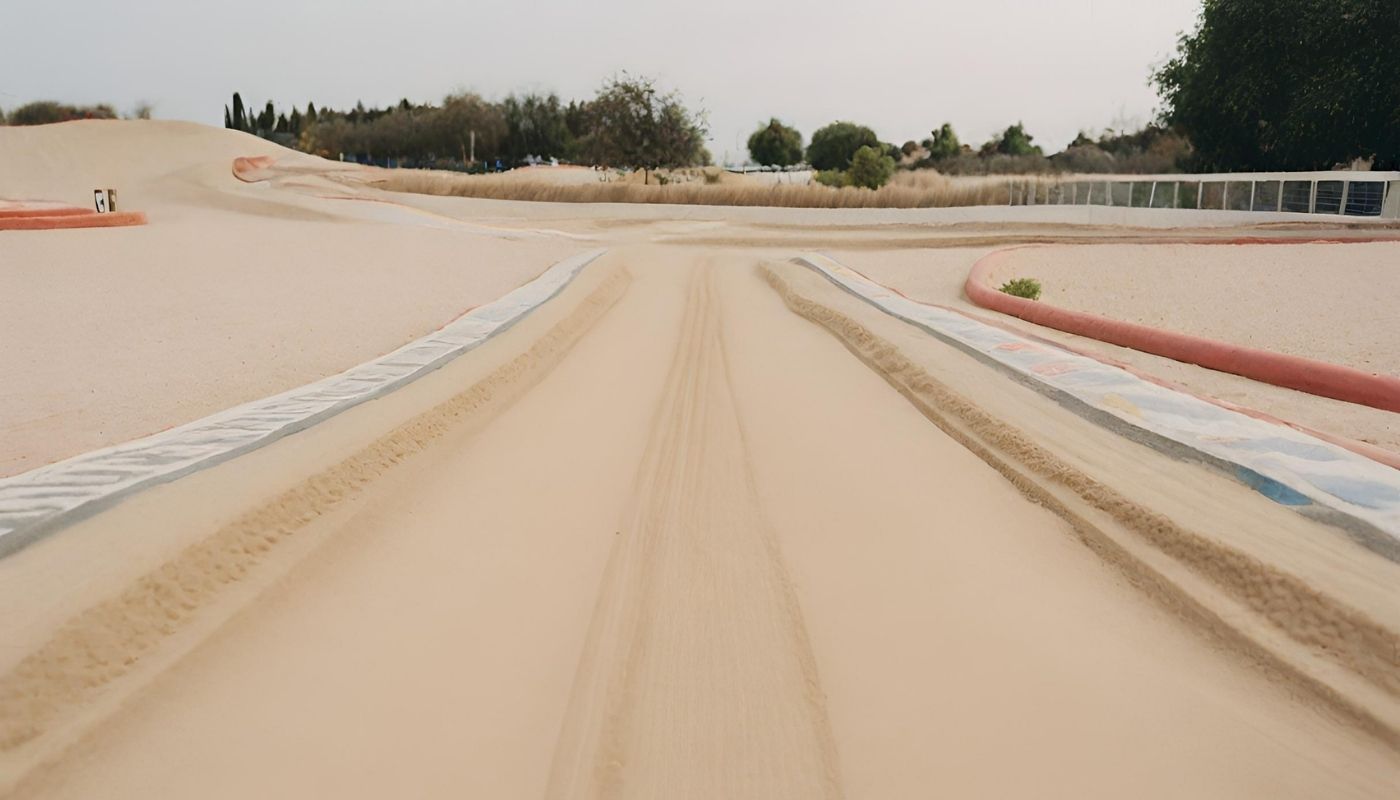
99,199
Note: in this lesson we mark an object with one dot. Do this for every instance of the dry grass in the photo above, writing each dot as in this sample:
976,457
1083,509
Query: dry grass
921,189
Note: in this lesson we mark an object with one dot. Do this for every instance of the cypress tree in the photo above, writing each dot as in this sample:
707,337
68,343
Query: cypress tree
228,121
240,117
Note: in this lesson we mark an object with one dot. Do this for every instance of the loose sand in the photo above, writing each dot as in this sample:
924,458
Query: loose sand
113,334
1309,322
1319,301
664,538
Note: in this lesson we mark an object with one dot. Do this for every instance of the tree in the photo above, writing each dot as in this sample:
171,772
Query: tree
631,124
870,168
775,145
1014,141
1287,84
461,117
943,143
833,146
536,126
240,116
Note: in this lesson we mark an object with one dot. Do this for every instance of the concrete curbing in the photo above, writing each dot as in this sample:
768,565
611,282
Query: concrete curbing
1317,478
34,504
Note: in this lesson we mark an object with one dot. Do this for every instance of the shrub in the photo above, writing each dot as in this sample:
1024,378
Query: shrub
835,145
870,168
45,112
1014,141
832,177
775,145
1028,288
943,143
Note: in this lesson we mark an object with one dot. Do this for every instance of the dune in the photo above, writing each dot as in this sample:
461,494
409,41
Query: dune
703,524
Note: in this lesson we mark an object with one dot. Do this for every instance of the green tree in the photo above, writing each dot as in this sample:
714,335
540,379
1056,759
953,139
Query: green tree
536,126
240,115
775,145
632,124
1014,141
942,143
1287,84
870,168
833,146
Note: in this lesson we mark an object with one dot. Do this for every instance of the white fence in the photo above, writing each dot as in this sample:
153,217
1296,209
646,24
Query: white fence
1356,194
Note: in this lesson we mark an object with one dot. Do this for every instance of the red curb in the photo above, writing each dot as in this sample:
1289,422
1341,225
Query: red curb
53,211
50,222
1292,372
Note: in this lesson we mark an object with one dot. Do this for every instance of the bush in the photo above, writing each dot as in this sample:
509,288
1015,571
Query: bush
870,168
943,143
45,112
832,177
775,145
1014,141
1028,288
835,145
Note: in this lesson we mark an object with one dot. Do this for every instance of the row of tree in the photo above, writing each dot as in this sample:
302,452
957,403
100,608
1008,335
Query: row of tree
1258,85
1013,150
629,122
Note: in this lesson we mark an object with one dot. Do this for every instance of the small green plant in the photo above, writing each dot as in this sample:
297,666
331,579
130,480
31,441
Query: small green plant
1028,288
832,177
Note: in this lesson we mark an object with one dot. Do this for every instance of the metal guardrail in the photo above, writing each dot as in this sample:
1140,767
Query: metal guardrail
1354,194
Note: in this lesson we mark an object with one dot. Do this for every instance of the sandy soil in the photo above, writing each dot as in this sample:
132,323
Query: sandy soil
937,276
677,534
1316,301
713,574
225,297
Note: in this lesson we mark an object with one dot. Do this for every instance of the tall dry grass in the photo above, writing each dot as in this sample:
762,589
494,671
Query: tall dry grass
920,189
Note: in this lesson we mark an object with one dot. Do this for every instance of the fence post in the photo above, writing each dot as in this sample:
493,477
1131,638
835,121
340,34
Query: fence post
1346,195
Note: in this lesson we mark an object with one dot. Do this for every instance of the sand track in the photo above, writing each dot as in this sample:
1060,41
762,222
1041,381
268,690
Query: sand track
697,549
698,638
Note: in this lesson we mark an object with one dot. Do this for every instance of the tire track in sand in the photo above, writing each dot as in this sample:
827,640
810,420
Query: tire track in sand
697,678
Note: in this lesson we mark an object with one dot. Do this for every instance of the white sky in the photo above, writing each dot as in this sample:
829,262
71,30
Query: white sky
900,66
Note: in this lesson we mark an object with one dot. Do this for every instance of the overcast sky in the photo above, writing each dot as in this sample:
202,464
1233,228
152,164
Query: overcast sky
900,66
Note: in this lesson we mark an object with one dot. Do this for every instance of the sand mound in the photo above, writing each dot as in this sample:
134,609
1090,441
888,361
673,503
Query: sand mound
235,290
66,161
